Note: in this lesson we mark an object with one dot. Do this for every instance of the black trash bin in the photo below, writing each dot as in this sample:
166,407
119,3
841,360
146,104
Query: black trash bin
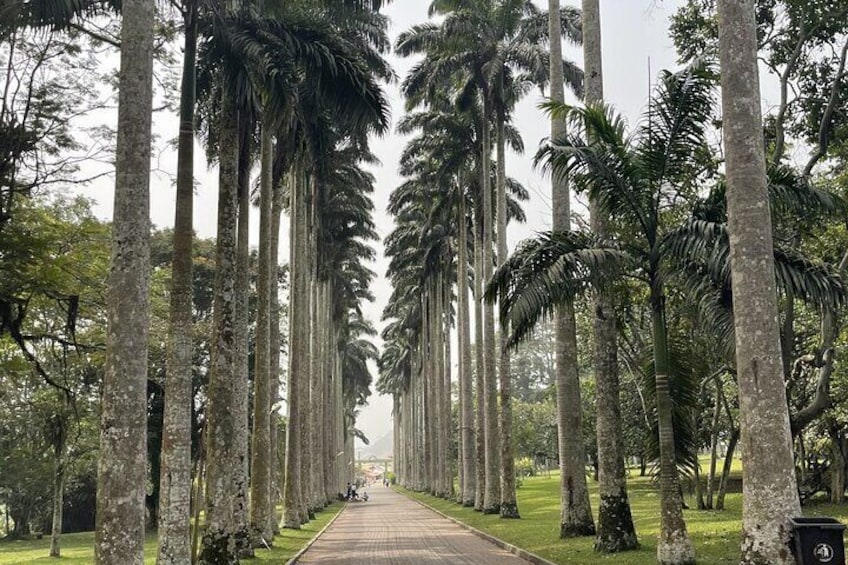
818,540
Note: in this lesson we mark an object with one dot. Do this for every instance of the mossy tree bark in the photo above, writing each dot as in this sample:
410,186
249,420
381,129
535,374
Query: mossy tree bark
770,494
122,462
576,513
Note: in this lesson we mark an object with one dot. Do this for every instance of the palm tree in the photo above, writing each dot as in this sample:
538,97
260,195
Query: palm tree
769,489
175,476
483,46
261,504
615,530
277,50
121,467
575,511
630,177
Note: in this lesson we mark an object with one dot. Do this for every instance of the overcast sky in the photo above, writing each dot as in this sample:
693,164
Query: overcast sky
635,39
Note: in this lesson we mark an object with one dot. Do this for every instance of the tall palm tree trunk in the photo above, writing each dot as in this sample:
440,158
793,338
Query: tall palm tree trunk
466,426
275,344
292,517
175,477
479,409
491,494
615,522
445,360
220,543
430,414
329,445
242,381
261,511
576,513
122,464
770,495
673,545
309,323
317,399
509,506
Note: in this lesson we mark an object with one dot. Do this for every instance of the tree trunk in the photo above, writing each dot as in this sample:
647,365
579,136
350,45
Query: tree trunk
616,531
837,466
242,380
714,447
673,545
469,472
508,504
122,463
275,344
261,510
491,493
175,474
576,513
479,370
445,359
725,471
770,494
220,543
316,481
59,475
292,516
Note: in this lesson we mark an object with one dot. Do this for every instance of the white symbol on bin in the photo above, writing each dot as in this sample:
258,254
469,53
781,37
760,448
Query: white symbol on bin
823,552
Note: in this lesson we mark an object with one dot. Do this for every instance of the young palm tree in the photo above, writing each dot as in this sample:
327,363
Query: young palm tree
770,491
630,178
121,467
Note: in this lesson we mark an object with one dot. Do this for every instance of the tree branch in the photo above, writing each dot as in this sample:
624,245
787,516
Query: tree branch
827,116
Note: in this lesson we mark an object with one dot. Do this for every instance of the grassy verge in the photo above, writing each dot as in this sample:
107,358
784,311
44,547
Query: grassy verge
78,549
716,535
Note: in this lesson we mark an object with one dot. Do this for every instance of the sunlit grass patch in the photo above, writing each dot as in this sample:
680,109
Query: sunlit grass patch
716,535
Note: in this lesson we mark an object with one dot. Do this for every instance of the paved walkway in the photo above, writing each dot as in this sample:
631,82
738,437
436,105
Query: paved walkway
391,529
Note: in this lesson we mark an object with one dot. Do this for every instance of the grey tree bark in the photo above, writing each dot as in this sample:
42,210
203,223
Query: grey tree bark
576,513
242,381
469,471
274,351
491,492
261,511
292,516
479,412
122,463
508,503
223,535
615,531
175,477
770,495
60,459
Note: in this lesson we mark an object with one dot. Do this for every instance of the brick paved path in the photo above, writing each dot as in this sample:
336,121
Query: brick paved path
391,529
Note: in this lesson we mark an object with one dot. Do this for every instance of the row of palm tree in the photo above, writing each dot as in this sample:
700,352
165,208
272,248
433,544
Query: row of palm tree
264,82
650,221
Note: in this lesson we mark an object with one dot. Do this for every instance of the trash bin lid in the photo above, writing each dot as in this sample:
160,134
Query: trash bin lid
816,522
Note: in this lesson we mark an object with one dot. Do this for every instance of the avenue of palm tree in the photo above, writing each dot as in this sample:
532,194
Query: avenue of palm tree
687,295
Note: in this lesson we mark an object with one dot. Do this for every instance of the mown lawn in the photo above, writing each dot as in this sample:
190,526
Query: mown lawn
78,549
716,535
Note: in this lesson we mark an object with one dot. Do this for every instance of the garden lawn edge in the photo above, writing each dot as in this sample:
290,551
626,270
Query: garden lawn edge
311,542
514,549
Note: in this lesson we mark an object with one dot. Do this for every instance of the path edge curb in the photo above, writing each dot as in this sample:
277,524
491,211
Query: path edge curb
311,542
515,550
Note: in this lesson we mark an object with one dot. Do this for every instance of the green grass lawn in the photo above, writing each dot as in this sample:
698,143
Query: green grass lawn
78,549
716,535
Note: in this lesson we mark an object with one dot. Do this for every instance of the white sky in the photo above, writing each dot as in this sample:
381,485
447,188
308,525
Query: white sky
634,32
